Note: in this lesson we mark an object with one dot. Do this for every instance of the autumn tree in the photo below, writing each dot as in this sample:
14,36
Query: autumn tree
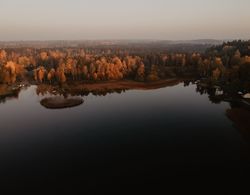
39,74
51,75
3,57
216,74
153,74
236,59
140,72
24,60
10,71
60,75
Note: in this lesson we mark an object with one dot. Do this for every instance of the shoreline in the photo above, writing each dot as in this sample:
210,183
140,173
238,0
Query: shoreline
102,88
125,84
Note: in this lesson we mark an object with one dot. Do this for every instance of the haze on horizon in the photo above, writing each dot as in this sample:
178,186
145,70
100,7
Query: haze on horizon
118,19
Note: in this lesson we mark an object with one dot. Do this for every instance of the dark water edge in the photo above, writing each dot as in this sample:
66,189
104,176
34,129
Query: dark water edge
136,138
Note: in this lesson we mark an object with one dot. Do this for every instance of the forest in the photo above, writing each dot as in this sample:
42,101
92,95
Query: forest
227,64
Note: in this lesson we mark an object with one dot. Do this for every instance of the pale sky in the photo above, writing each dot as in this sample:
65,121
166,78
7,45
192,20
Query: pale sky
124,19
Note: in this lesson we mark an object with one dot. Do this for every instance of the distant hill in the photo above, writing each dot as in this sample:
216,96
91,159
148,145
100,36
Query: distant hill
87,43
200,41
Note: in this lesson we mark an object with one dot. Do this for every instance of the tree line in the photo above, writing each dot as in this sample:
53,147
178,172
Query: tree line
228,63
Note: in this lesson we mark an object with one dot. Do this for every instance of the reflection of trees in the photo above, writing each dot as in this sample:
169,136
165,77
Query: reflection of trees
240,117
7,93
101,88
239,113
85,89
68,91
217,93
211,91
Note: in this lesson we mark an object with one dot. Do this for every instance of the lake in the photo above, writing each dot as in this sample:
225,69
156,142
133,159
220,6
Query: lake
135,137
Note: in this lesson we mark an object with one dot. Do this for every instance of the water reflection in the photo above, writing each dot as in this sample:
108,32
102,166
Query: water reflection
238,113
165,131
68,91
215,94
8,92
240,118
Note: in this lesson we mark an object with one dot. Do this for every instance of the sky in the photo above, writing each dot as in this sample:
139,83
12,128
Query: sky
124,19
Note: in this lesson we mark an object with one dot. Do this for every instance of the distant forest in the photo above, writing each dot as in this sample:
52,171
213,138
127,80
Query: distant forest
227,64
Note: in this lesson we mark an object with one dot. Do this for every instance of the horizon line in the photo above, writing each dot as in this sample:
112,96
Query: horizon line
133,39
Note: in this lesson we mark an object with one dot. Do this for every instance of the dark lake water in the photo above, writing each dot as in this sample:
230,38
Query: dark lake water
137,137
